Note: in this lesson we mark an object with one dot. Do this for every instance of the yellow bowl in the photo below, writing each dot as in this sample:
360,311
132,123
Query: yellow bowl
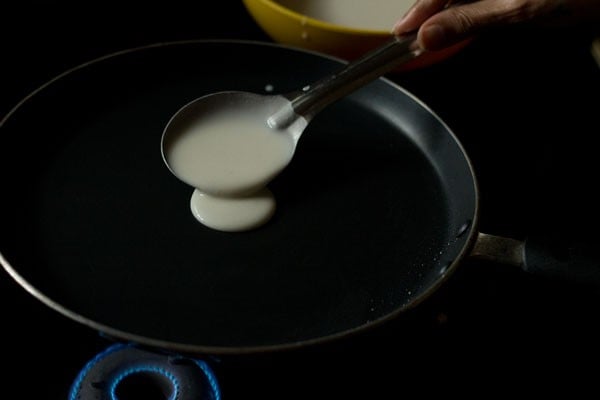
289,26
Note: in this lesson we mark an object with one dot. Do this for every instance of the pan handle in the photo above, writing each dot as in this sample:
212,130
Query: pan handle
558,258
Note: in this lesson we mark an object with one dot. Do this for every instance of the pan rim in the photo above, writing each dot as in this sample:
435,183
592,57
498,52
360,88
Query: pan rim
252,349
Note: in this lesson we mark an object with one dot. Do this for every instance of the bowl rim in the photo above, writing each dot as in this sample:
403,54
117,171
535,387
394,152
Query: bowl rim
306,20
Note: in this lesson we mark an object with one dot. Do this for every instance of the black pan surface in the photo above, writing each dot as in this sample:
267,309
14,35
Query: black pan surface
374,211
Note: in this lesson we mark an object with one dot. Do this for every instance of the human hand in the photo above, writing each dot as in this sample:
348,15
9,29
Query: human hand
441,25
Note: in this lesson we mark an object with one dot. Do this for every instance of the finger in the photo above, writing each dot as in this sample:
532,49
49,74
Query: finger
417,14
457,23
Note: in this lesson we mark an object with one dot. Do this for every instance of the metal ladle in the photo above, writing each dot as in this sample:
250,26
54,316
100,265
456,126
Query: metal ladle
302,104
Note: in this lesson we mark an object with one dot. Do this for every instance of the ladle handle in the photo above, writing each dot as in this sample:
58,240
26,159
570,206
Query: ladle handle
397,50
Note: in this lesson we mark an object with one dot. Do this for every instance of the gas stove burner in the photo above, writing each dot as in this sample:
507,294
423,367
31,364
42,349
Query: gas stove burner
126,372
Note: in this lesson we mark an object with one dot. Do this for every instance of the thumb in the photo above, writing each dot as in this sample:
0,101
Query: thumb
459,22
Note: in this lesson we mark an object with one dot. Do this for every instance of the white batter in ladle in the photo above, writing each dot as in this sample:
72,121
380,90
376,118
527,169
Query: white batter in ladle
230,145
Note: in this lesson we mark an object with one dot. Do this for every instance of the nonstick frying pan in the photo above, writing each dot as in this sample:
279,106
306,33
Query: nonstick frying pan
378,207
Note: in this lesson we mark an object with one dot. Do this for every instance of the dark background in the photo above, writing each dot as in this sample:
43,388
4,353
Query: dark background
525,105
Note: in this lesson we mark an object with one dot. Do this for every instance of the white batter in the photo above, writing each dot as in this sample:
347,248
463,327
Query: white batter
232,214
376,15
229,153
